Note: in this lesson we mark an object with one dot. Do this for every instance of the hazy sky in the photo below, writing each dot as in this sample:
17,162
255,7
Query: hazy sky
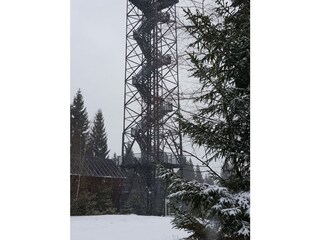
98,61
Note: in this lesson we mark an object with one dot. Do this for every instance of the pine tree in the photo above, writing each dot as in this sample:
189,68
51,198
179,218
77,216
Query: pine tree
220,55
129,156
103,203
98,146
188,171
221,60
79,126
198,175
115,159
79,136
208,179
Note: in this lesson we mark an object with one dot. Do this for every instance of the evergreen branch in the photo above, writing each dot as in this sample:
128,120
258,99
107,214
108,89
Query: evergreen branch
204,163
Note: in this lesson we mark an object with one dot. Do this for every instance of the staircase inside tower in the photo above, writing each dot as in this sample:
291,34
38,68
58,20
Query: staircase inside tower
156,107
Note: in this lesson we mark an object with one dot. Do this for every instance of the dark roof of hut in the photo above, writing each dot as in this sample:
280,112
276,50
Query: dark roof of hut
95,167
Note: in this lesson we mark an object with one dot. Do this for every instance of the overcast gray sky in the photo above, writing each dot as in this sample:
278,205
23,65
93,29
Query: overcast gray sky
97,60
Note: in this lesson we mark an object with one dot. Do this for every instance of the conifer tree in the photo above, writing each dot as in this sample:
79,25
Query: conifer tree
188,171
208,179
130,158
79,126
198,175
220,55
79,136
221,59
115,159
98,146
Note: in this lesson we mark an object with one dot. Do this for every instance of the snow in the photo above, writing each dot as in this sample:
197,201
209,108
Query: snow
123,227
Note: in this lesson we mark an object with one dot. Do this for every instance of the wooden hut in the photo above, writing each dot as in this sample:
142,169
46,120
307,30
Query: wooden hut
94,175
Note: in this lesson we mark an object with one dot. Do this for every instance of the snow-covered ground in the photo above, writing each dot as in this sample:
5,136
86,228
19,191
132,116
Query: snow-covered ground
124,227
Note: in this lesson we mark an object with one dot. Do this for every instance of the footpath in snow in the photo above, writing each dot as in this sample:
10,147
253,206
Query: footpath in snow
124,227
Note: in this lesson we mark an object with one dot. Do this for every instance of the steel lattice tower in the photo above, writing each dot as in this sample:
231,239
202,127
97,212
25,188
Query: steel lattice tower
150,132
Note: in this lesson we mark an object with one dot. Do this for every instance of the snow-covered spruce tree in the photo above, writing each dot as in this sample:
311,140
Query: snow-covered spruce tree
79,126
220,56
209,211
98,146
